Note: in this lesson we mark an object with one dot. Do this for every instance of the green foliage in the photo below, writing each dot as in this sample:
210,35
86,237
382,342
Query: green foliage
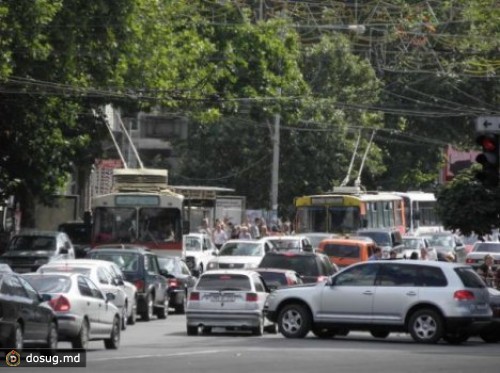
465,205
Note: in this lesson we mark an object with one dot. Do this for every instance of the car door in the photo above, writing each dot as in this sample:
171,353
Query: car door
348,297
158,282
106,310
28,310
92,305
106,284
396,291
43,315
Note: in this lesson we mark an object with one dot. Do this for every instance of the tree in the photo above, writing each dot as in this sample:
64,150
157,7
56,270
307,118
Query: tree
465,205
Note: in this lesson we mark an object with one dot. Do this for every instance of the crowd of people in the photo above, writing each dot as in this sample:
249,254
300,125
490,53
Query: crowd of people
224,230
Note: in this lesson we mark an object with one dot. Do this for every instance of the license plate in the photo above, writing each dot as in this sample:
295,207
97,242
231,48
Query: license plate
228,298
482,307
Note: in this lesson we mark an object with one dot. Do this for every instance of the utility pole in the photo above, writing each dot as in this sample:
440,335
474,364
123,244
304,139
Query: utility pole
276,153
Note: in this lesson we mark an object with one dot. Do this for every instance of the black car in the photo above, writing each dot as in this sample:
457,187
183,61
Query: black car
277,278
140,267
311,267
25,317
79,234
180,280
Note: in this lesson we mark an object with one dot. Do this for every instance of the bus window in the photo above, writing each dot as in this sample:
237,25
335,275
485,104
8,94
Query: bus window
344,219
159,225
114,225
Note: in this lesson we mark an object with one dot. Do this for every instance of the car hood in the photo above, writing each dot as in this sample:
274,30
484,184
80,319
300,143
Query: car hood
29,253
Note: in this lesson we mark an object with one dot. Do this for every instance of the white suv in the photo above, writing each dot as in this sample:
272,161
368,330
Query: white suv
428,299
197,250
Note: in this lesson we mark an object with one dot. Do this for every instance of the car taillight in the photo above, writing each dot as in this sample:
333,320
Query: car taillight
464,295
60,304
252,297
322,278
172,283
194,296
469,261
139,284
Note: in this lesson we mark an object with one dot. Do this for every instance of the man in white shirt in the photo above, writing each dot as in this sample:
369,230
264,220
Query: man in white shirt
219,236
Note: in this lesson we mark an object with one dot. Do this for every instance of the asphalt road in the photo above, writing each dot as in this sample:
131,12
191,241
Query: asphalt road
163,346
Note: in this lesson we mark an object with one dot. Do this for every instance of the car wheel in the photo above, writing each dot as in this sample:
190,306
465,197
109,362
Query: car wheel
456,338
489,336
342,332
124,316
132,318
379,333
323,333
113,342
147,314
192,330
259,329
82,339
294,321
426,326
162,312
17,339
52,338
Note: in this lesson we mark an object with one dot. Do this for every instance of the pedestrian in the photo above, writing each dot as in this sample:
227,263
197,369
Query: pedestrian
486,272
244,233
423,254
414,256
377,254
219,236
255,229
393,255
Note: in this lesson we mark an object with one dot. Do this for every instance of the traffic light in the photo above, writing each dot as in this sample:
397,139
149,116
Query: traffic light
489,159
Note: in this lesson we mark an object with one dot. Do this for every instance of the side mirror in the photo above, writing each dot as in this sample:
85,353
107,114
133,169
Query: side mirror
308,248
330,282
118,281
110,297
63,250
214,253
271,287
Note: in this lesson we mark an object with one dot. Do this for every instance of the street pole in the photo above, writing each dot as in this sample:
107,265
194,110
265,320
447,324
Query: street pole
276,163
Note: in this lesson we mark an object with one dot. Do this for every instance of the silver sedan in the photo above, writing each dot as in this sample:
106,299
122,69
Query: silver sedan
83,312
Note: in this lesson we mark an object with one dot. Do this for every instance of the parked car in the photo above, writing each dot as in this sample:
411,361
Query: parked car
30,249
84,313
414,244
316,237
289,243
240,254
179,279
198,249
311,267
346,251
227,299
480,249
101,274
25,317
447,243
430,300
276,278
388,239
141,268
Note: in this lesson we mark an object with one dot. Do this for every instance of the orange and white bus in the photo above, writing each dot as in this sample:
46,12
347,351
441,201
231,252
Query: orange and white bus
347,209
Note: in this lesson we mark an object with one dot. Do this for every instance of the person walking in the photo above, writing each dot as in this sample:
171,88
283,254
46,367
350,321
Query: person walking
377,254
219,236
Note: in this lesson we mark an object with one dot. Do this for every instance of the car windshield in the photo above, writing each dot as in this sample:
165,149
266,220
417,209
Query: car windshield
442,241
192,243
224,282
33,243
168,264
127,262
303,265
241,249
49,283
412,243
286,245
487,248
381,238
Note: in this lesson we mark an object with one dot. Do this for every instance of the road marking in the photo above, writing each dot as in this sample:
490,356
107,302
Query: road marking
190,353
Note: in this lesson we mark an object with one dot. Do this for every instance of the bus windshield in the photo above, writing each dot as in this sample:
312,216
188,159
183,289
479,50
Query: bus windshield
129,225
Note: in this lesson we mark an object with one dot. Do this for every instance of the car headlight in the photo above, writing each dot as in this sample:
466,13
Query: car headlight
212,265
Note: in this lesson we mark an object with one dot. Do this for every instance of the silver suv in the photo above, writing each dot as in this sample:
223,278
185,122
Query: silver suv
430,300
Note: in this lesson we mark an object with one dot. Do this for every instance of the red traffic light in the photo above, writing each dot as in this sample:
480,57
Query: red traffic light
488,144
